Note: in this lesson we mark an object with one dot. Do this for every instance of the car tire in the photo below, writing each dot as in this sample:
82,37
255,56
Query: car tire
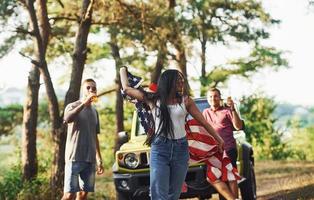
122,196
248,187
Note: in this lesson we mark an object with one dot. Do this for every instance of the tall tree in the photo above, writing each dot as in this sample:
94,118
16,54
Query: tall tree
176,38
229,22
119,101
11,10
40,31
79,59
29,129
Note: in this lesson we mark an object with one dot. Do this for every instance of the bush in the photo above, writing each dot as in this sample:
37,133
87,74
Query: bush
12,187
11,184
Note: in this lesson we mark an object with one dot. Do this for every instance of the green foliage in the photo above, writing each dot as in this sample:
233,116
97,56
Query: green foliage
257,111
231,22
7,8
11,184
10,117
217,21
8,45
259,58
98,52
39,186
302,141
13,25
282,150
12,187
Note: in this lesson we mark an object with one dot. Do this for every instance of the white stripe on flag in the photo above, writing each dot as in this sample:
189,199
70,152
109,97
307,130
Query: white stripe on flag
216,172
215,162
231,176
198,129
229,167
200,145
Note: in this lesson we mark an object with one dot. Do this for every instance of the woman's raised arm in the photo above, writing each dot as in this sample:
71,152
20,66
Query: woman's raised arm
132,92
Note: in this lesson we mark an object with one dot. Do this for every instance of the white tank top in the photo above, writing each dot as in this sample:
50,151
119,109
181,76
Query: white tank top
178,113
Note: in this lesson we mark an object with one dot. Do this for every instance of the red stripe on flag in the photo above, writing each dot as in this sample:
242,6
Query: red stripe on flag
202,138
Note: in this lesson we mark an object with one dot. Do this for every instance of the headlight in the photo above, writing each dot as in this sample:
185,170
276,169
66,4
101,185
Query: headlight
131,160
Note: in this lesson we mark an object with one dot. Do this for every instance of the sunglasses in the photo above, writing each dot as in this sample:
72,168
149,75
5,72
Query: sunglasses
91,87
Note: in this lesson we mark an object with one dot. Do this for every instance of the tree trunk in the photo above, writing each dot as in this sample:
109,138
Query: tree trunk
203,71
29,152
41,30
181,57
159,64
73,93
172,3
80,52
119,100
176,40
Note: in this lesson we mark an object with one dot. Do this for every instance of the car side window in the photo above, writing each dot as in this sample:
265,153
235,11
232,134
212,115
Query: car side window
139,128
201,105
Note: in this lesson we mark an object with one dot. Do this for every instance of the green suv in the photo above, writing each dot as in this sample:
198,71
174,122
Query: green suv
131,167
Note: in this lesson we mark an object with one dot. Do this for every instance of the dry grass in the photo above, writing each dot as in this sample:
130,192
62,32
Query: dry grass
285,180
105,189
276,180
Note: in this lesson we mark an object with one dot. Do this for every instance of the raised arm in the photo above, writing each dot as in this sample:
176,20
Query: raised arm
70,113
236,120
132,92
196,114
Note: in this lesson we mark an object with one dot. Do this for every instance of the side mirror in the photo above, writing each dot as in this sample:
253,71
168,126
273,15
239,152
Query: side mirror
243,125
123,137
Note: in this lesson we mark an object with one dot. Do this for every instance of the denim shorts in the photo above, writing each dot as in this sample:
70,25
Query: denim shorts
79,176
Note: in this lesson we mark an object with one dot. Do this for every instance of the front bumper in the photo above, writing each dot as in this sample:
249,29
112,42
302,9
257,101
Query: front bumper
136,185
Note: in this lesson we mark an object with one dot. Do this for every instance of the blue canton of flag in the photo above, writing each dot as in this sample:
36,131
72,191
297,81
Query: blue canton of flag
143,110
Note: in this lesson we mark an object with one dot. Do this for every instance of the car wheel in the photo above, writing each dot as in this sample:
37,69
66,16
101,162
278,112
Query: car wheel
248,188
122,196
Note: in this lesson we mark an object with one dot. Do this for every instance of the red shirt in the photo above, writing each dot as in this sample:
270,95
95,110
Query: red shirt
221,121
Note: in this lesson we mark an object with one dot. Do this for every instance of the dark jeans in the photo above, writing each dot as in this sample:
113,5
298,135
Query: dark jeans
233,155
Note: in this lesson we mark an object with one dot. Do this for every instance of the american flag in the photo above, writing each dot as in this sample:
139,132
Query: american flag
204,148
143,110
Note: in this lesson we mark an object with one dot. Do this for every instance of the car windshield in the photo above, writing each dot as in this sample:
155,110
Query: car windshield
201,103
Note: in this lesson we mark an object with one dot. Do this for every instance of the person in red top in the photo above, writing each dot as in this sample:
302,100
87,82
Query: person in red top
224,119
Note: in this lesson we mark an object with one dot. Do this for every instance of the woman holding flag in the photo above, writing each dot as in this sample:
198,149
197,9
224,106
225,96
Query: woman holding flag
169,158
